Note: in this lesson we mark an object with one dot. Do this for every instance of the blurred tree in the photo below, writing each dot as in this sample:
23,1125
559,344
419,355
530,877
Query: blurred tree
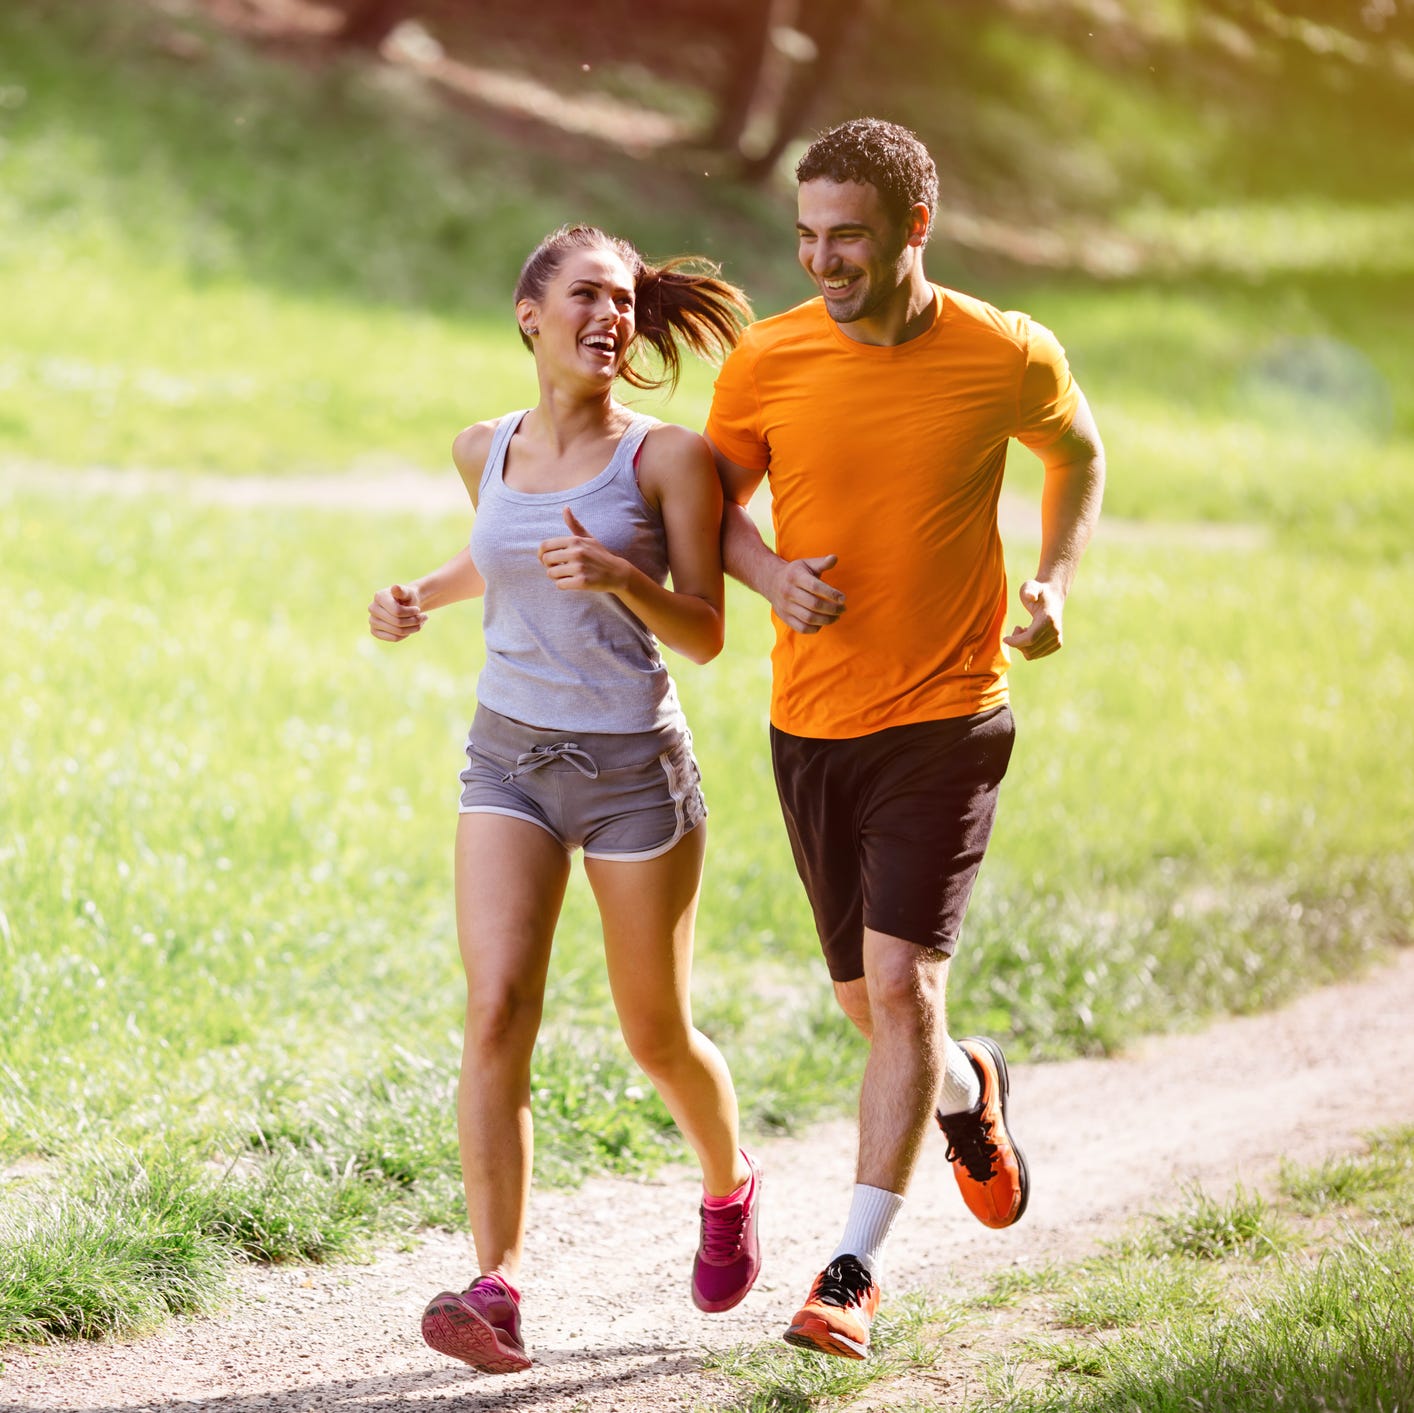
830,29
1328,31
781,56
762,65
990,83
748,46
367,23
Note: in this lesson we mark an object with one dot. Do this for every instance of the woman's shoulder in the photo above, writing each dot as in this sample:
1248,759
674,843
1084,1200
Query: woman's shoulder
472,444
674,459
666,443
470,448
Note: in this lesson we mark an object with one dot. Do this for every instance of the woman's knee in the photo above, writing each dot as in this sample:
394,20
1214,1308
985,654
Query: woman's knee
502,1020
658,1044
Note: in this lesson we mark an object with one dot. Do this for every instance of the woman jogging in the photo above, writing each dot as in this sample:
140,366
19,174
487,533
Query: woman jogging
585,511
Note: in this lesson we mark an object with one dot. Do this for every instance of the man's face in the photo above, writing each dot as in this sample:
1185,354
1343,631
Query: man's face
859,258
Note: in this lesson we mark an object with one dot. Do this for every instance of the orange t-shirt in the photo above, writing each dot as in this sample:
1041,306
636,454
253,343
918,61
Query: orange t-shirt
892,459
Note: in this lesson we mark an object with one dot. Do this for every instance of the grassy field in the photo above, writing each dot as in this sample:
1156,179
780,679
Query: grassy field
1243,1305
243,266
226,954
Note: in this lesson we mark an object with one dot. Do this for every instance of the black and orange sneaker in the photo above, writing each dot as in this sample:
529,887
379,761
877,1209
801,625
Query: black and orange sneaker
989,1166
480,1326
836,1314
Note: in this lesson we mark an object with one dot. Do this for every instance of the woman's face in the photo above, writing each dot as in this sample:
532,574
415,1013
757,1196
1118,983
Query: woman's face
586,315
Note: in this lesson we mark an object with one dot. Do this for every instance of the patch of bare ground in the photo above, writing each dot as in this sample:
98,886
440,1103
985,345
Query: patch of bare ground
414,491
606,1281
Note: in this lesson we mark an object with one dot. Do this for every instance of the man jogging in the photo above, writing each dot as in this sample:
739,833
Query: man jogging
882,411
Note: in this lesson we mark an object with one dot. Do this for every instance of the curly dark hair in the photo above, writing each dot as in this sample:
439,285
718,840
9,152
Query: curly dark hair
883,155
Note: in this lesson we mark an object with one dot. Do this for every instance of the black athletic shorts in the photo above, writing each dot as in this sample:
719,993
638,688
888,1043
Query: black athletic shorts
889,829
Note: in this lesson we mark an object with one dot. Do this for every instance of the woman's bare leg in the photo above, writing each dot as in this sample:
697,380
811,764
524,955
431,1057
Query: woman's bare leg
510,884
648,910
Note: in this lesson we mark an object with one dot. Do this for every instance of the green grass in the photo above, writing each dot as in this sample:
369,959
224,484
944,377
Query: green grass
225,902
229,264
115,1254
212,786
779,1379
1185,121
1137,1291
1175,1317
241,266
1205,1229
1380,1181
1333,1336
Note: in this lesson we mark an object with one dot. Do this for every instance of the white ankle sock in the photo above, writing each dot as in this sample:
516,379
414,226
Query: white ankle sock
871,1213
961,1089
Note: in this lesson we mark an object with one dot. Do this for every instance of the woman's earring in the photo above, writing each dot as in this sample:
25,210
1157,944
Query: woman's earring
531,332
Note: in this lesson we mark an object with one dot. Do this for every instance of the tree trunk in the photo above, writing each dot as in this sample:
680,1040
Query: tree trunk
370,22
747,58
835,26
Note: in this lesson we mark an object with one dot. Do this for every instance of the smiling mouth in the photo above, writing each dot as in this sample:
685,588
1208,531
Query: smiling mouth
838,284
600,343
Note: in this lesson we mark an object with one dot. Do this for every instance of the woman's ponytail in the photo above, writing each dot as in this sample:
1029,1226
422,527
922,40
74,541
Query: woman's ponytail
684,302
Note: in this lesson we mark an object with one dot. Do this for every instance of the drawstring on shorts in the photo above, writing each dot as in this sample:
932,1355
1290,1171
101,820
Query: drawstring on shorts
567,751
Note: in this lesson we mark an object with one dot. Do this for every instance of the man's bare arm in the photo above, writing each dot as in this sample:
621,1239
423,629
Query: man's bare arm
1070,507
800,597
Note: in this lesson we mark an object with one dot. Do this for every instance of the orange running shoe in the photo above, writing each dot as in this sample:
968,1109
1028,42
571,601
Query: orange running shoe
989,1166
835,1317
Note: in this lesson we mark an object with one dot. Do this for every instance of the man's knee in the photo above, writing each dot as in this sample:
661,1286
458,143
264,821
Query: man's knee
907,986
853,999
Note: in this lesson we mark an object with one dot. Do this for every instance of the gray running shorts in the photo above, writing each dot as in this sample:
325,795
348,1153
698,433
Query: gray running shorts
628,797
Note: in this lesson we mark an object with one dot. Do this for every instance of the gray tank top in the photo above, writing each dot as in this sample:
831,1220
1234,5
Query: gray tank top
561,658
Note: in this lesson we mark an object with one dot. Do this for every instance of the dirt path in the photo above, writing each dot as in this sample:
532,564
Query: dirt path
607,1312
412,491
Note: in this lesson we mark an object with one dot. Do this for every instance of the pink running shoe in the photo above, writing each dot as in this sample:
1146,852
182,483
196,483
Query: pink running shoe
729,1251
481,1326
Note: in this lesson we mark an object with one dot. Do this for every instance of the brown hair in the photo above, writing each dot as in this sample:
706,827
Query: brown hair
874,153
683,301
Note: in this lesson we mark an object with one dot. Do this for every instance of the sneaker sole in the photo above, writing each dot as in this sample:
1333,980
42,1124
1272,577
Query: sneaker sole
818,1336
1023,1172
451,1329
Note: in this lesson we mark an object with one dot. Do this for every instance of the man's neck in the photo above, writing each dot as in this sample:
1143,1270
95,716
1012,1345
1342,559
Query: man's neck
903,319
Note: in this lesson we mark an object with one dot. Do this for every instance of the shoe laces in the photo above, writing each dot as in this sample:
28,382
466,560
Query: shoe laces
491,1299
844,1283
970,1143
722,1231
